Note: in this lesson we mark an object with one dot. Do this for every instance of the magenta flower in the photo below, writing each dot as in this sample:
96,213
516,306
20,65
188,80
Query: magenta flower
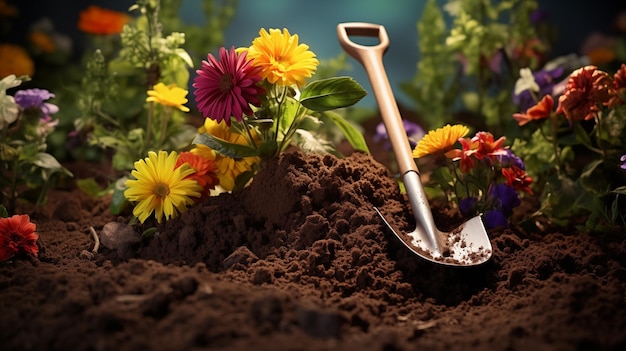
623,159
30,99
226,88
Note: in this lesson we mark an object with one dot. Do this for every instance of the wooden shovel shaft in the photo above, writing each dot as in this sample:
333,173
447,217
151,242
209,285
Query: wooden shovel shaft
371,57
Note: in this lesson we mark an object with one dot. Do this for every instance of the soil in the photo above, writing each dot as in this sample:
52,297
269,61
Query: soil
300,260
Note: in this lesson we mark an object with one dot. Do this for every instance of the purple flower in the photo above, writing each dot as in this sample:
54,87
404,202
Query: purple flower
34,99
623,159
539,16
467,205
546,80
413,131
510,159
495,218
505,198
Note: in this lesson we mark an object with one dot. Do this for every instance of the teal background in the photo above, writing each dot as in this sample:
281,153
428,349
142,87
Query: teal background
315,22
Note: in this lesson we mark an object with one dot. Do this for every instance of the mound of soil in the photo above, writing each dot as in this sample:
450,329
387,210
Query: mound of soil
300,260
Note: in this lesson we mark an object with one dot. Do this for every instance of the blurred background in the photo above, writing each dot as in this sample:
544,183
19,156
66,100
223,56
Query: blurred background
315,22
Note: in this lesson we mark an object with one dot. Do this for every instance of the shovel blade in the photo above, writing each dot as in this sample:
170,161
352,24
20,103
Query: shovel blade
466,245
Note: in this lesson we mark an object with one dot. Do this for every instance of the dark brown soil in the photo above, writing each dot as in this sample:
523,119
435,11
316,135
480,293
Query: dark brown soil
301,261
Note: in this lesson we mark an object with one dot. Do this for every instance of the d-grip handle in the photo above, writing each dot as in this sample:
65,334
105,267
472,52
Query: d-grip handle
371,57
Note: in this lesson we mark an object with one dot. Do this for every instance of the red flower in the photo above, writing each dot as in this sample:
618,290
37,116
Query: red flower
466,162
517,178
487,147
101,21
540,111
587,87
17,234
205,173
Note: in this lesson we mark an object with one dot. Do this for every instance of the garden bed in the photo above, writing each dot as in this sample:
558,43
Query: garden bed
300,260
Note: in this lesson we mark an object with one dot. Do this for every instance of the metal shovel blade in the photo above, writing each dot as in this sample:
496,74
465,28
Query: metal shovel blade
468,244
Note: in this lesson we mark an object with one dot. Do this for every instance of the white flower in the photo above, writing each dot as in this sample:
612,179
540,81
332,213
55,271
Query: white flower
526,81
9,82
9,110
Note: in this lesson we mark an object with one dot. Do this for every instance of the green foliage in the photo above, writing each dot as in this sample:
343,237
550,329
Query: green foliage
472,66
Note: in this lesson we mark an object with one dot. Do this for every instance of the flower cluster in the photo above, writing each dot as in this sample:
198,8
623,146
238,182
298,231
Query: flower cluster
581,117
25,124
480,174
257,100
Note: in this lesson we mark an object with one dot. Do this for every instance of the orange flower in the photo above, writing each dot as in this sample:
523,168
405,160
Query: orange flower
517,178
17,234
100,21
15,60
205,174
587,87
540,111
619,83
42,41
487,147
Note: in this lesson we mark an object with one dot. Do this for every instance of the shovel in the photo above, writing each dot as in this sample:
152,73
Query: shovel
468,244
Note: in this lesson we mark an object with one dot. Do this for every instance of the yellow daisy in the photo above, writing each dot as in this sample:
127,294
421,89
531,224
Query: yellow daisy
228,168
160,187
282,60
170,95
439,140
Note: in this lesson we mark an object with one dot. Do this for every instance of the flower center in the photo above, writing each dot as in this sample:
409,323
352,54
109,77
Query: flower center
161,190
226,83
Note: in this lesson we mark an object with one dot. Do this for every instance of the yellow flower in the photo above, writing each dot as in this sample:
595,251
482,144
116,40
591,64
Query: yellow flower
439,140
281,59
160,187
15,60
228,168
169,96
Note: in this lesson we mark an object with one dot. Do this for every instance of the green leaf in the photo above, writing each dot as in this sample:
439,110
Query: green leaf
620,190
118,200
224,147
89,186
331,93
3,211
353,135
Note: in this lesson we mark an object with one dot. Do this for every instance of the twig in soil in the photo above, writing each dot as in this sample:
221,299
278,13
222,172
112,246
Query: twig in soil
90,255
96,246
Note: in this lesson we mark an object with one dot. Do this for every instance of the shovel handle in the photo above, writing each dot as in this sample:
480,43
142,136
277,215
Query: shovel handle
371,57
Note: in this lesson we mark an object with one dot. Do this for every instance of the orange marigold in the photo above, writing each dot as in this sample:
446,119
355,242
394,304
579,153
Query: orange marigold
205,174
101,21
587,88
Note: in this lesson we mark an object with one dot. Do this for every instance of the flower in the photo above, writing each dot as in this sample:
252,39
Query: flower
15,60
517,178
101,21
161,187
525,82
487,147
586,88
168,95
619,83
623,159
17,234
542,110
439,140
228,168
282,60
546,81
413,131
226,88
204,174
34,99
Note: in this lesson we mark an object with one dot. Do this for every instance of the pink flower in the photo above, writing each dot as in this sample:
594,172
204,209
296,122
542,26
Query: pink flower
17,234
226,88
